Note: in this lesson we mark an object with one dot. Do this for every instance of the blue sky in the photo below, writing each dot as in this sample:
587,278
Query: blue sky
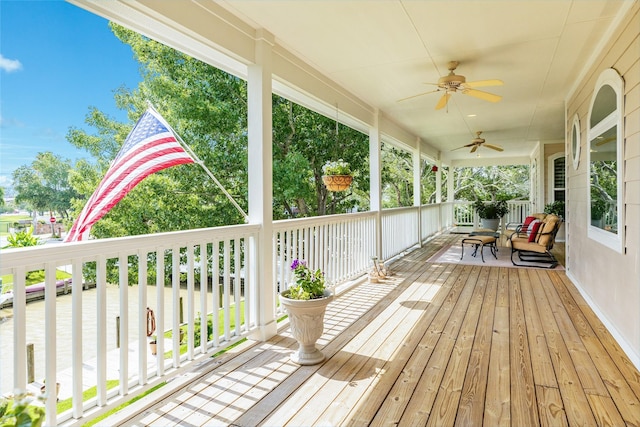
56,61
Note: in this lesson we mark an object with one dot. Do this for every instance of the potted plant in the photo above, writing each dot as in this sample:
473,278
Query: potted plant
306,301
491,212
557,208
337,175
19,410
598,209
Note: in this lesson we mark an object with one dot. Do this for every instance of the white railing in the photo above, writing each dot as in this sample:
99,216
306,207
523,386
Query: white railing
119,278
465,215
399,230
80,333
518,211
341,246
434,219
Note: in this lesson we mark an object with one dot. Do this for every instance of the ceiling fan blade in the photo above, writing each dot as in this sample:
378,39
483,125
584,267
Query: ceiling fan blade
481,83
473,150
494,147
443,101
482,95
464,146
415,96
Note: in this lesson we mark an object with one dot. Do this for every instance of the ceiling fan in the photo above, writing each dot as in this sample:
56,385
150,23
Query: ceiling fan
477,142
456,83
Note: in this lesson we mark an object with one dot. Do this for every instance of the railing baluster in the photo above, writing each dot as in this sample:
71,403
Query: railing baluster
175,287
204,286
101,336
237,288
215,290
142,316
50,294
19,329
123,283
76,337
160,311
226,291
190,301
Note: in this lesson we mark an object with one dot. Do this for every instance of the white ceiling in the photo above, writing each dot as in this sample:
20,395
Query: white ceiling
385,50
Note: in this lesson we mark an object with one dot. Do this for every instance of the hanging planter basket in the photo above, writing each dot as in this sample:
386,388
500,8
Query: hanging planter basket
337,182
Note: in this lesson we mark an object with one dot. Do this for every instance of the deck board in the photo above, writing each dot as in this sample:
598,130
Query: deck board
435,344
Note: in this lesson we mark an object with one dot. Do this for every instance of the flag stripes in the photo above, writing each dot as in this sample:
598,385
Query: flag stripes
150,147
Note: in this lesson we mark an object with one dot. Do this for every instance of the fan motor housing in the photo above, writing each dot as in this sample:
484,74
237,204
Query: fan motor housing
452,81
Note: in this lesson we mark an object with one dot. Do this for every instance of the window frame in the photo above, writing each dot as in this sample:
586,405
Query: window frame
608,77
575,142
551,178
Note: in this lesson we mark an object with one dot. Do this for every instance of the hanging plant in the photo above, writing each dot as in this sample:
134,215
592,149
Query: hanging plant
337,175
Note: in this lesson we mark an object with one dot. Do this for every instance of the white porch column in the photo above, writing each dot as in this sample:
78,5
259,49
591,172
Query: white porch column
375,178
450,180
417,187
439,182
260,157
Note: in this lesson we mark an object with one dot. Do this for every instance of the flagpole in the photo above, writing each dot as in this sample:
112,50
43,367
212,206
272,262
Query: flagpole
201,163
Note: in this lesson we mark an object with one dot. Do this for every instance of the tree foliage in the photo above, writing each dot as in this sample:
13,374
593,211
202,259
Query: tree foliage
303,141
207,108
44,185
491,183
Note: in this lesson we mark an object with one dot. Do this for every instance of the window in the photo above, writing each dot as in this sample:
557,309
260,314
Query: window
575,142
605,161
556,167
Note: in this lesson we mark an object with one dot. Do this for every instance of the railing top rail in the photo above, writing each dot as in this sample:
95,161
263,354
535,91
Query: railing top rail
399,209
286,224
35,257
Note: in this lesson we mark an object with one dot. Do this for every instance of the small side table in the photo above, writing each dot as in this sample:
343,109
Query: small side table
480,241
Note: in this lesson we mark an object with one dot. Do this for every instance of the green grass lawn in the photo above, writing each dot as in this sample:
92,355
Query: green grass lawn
7,221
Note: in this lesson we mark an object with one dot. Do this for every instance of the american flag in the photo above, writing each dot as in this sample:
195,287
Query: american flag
150,147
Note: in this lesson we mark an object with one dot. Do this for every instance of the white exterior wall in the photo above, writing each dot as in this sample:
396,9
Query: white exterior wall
609,280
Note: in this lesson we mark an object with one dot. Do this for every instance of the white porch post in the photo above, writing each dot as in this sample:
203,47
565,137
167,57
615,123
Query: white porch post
375,177
439,182
260,156
417,187
439,193
450,181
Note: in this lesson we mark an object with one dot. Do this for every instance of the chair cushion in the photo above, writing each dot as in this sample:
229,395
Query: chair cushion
533,228
523,244
527,221
549,224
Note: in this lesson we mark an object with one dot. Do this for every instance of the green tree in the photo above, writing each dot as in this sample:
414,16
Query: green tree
44,185
491,183
303,141
207,108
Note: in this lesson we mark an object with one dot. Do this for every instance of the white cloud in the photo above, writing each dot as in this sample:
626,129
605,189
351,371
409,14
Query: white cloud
9,65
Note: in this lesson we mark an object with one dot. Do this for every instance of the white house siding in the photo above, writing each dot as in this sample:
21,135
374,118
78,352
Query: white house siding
608,279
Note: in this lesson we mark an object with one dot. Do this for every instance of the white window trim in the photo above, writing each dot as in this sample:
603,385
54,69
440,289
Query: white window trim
612,78
551,189
575,146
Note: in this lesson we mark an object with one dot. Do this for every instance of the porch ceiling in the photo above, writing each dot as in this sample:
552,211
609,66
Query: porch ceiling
377,52
383,51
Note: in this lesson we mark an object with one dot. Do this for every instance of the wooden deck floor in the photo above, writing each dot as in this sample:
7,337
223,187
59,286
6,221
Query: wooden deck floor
439,344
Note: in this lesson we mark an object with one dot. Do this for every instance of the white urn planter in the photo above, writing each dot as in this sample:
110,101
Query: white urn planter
490,224
306,320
